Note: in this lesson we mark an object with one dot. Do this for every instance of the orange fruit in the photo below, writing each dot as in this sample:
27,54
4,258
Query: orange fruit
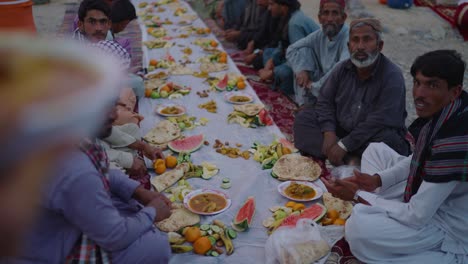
166,88
222,60
171,162
149,30
333,214
286,151
339,221
298,207
192,233
202,245
214,44
200,31
223,54
207,30
148,92
327,221
159,166
153,62
240,85
290,204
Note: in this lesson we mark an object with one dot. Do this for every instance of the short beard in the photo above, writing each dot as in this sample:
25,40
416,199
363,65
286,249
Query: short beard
331,30
371,58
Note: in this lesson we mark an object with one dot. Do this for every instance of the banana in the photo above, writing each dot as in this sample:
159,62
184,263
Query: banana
227,242
181,248
175,238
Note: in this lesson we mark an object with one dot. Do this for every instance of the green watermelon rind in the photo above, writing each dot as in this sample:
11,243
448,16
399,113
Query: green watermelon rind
178,150
244,223
223,88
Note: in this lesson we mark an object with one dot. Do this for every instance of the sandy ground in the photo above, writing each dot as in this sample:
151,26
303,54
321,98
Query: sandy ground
407,33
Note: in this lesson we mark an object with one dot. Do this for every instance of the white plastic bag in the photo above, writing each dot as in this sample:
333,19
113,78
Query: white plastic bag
343,171
300,244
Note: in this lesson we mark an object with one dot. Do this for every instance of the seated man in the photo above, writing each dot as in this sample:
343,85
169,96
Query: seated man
122,13
362,101
93,21
313,57
90,208
294,25
420,213
232,12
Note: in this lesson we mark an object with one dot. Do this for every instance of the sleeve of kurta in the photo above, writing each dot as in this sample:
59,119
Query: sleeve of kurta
325,107
420,209
122,158
121,185
395,174
300,54
85,203
385,112
120,138
300,26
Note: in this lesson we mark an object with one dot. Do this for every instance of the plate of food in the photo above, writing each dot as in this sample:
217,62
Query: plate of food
170,110
238,98
207,202
300,191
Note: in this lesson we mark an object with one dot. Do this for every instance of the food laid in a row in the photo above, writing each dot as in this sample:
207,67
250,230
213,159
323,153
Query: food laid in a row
250,115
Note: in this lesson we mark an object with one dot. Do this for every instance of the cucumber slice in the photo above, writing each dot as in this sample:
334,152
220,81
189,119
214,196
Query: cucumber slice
204,227
226,180
214,253
226,185
215,228
212,240
203,233
231,233
209,253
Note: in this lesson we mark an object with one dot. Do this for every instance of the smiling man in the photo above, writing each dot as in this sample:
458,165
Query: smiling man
362,101
418,209
314,56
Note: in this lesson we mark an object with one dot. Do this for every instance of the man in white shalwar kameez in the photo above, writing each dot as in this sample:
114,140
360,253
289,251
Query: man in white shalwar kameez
415,209
314,56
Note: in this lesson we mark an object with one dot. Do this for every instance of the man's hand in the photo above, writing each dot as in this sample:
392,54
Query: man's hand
163,209
249,49
232,35
138,168
248,59
302,79
344,190
365,181
336,154
151,152
329,139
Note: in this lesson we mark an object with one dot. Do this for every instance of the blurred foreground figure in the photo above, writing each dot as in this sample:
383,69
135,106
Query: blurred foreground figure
51,97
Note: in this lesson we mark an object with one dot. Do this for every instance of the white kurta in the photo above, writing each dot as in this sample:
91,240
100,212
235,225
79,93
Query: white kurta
431,228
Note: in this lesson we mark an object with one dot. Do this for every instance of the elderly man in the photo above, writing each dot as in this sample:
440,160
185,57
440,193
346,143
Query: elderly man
420,212
92,212
362,101
314,56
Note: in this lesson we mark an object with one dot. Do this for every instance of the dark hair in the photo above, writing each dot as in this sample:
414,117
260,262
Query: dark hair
292,4
88,5
122,10
444,64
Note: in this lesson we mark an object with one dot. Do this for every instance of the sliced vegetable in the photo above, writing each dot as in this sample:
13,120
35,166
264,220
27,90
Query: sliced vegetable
226,180
226,185
212,240
215,228
205,227
231,233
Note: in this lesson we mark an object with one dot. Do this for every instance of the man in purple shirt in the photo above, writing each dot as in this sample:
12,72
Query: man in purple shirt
87,200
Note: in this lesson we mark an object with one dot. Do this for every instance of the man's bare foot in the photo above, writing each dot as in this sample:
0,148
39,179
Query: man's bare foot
266,75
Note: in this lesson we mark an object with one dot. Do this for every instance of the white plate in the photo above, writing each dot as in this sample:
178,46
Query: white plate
318,191
161,107
200,191
228,96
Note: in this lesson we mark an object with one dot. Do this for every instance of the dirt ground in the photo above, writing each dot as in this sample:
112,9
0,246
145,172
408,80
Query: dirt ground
407,33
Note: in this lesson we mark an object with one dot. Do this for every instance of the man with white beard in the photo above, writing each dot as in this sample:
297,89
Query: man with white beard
362,101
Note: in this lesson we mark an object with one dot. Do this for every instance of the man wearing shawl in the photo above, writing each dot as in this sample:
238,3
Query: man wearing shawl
362,101
313,57
415,209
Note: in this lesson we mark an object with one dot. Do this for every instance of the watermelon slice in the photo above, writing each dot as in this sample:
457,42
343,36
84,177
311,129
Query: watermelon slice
288,145
188,144
222,84
265,118
315,212
243,219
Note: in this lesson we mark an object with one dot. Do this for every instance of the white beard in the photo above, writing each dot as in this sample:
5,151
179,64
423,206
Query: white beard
371,58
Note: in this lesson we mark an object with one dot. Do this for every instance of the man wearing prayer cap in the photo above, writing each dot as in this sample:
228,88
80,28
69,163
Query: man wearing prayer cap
361,101
313,57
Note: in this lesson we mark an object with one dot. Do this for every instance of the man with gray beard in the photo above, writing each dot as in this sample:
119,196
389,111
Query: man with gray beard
313,57
362,101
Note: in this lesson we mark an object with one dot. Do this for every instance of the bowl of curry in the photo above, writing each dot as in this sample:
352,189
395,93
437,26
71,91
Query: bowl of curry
300,191
207,202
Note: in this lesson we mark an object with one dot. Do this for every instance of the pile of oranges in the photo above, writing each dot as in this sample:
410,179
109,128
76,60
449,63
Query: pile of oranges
222,57
333,218
201,244
160,165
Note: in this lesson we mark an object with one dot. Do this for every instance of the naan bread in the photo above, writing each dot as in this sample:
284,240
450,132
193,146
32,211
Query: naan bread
154,83
213,67
179,218
180,70
249,109
167,179
163,133
343,207
296,167
306,252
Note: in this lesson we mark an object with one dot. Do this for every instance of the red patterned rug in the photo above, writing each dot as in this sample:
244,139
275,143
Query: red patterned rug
445,12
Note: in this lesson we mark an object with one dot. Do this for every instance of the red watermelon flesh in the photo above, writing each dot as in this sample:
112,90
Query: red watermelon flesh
288,145
188,144
315,212
221,86
243,219
265,117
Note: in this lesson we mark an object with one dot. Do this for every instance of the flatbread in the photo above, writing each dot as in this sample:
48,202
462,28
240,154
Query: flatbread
153,84
306,252
249,109
295,167
167,179
179,218
163,133
343,207
180,70
213,67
